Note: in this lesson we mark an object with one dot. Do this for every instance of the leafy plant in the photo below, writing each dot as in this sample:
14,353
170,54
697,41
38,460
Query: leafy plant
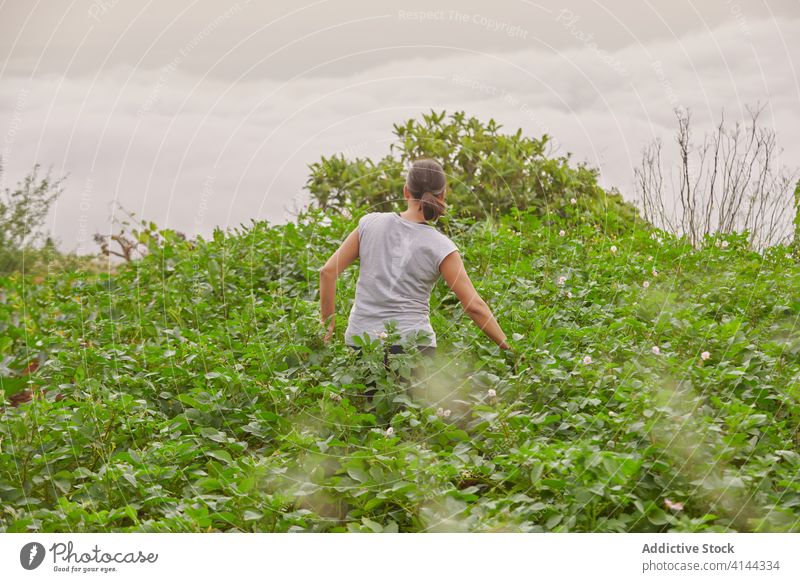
489,173
23,211
192,392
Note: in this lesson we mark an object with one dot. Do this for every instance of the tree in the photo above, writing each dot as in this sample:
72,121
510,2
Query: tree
489,172
23,212
729,183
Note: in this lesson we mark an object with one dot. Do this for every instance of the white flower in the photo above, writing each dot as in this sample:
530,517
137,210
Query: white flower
383,335
673,505
705,355
326,220
656,350
655,273
389,431
724,244
587,360
788,256
573,201
646,284
440,411
613,248
569,294
562,232
561,280
491,393
447,413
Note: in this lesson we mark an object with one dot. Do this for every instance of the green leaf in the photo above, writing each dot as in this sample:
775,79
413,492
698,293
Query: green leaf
12,386
221,455
373,525
358,474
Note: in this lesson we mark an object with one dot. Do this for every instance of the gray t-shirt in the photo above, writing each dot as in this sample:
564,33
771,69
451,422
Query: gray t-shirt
399,267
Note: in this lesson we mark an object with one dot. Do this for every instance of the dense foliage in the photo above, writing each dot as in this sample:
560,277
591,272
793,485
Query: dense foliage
192,392
24,243
489,172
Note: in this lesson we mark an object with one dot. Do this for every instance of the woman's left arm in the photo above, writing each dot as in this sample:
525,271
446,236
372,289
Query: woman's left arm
338,262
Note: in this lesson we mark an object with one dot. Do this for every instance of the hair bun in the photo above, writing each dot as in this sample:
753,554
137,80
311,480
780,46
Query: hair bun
432,205
427,182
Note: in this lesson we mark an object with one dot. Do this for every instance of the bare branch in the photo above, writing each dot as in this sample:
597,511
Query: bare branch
730,182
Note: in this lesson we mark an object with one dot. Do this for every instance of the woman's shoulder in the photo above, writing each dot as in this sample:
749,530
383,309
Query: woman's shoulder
439,235
440,244
374,215
370,218
439,247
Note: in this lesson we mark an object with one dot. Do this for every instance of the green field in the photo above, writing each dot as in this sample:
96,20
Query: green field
191,391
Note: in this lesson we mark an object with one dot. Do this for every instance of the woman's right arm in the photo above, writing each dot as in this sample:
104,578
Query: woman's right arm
454,273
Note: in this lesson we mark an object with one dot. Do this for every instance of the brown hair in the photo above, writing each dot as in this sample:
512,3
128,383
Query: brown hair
426,181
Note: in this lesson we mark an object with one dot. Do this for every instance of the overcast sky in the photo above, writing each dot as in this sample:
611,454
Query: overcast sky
195,114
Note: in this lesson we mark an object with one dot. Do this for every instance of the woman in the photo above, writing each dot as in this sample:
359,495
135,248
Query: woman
402,257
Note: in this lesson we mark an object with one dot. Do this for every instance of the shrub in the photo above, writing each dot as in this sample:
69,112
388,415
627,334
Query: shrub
489,173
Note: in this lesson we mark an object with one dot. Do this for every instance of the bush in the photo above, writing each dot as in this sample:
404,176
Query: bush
23,240
489,173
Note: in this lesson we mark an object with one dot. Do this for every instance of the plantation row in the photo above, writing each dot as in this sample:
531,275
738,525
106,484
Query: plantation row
659,389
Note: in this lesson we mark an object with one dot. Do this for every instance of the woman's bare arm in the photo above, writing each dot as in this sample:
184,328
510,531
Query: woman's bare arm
454,273
338,262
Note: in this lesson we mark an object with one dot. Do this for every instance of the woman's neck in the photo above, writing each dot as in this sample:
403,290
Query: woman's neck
413,213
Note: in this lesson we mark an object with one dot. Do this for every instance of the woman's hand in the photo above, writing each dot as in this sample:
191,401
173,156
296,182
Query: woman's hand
329,332
338,262
512,356
455,275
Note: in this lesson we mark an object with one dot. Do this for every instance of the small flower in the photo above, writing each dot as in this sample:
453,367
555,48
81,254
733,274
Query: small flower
573,201
646,284
724,244
569,294
587,360
613,248
561,280
788,256
705,355
491,393
389,431
335,397
673,505
326,221
562,232
383,335
440,411
447,413
656,350
655,273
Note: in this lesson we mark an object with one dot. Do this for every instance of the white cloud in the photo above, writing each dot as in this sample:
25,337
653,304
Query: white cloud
157,140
